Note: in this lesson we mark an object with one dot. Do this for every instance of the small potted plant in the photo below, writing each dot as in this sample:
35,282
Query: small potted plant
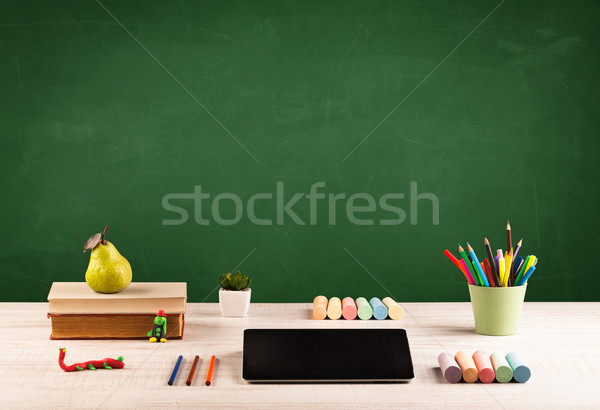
234,295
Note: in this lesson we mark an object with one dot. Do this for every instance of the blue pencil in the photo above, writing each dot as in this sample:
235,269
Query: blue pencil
175,370
478,266
526,276
517,265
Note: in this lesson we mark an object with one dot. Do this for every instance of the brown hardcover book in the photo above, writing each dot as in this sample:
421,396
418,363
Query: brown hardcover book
96,326
78,312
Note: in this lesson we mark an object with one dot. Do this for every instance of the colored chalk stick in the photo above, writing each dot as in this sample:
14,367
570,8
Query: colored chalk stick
365,312
484,366
395,311
449,367
521,372
467,366
320,308
380,312
349,308
504,373
334,308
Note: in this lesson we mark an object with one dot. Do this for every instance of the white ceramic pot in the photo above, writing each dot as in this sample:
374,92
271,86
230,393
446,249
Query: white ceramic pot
234,303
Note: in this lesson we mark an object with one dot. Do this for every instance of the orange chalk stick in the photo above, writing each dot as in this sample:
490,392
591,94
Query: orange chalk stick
484,366
467,366
320,308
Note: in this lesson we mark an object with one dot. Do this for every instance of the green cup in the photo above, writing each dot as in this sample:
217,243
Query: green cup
497,310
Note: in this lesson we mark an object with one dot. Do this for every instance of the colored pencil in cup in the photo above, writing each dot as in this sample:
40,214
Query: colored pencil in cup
492,264
491,277
497,258
524,268
497,263
517,249
469,266
509,278
502,271
468,273
458,265
508,236
476,263
526,276
453,260
517,266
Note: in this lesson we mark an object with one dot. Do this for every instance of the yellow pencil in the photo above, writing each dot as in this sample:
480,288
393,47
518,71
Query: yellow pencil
502,271
508,264
531,261
505,276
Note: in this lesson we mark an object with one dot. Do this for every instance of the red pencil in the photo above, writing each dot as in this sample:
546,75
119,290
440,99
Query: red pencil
488,272
458,265
453,259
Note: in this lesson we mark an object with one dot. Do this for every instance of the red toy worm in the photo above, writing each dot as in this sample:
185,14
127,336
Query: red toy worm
92,364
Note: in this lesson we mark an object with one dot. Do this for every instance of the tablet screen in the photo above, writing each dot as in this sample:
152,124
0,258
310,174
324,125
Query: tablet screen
273,355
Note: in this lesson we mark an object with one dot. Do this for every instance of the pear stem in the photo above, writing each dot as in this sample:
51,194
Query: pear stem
102,240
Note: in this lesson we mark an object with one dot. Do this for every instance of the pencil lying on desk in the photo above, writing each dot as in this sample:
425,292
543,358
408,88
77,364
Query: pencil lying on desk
211,368
175,370
192,371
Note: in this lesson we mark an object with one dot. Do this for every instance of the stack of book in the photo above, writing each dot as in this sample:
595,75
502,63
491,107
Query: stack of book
78,312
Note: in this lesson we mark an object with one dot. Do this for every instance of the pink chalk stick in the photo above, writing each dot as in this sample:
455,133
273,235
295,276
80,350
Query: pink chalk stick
449,368
349,310
484,366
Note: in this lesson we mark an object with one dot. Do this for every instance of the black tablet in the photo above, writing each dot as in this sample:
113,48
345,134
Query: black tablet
326,355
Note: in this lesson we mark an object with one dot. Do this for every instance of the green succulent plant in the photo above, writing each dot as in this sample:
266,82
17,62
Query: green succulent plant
237,281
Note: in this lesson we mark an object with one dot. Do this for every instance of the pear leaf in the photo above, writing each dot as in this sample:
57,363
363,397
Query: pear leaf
92,242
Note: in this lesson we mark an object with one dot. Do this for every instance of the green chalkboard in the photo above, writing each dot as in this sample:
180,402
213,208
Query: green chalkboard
438,121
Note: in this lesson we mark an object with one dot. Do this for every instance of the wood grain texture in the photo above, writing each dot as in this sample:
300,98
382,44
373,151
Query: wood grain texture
559,342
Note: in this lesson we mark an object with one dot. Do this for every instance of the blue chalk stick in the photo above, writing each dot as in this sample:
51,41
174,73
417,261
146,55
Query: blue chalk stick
380,311
521,372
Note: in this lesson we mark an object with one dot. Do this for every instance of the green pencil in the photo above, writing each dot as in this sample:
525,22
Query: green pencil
473,271
522,271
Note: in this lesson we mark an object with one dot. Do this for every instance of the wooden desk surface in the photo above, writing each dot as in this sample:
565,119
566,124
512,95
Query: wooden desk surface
559,341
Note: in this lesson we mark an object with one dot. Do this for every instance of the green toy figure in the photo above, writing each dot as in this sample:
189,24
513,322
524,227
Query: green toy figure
159,331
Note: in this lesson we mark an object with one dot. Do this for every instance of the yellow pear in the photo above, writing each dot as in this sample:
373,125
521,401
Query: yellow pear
108,271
